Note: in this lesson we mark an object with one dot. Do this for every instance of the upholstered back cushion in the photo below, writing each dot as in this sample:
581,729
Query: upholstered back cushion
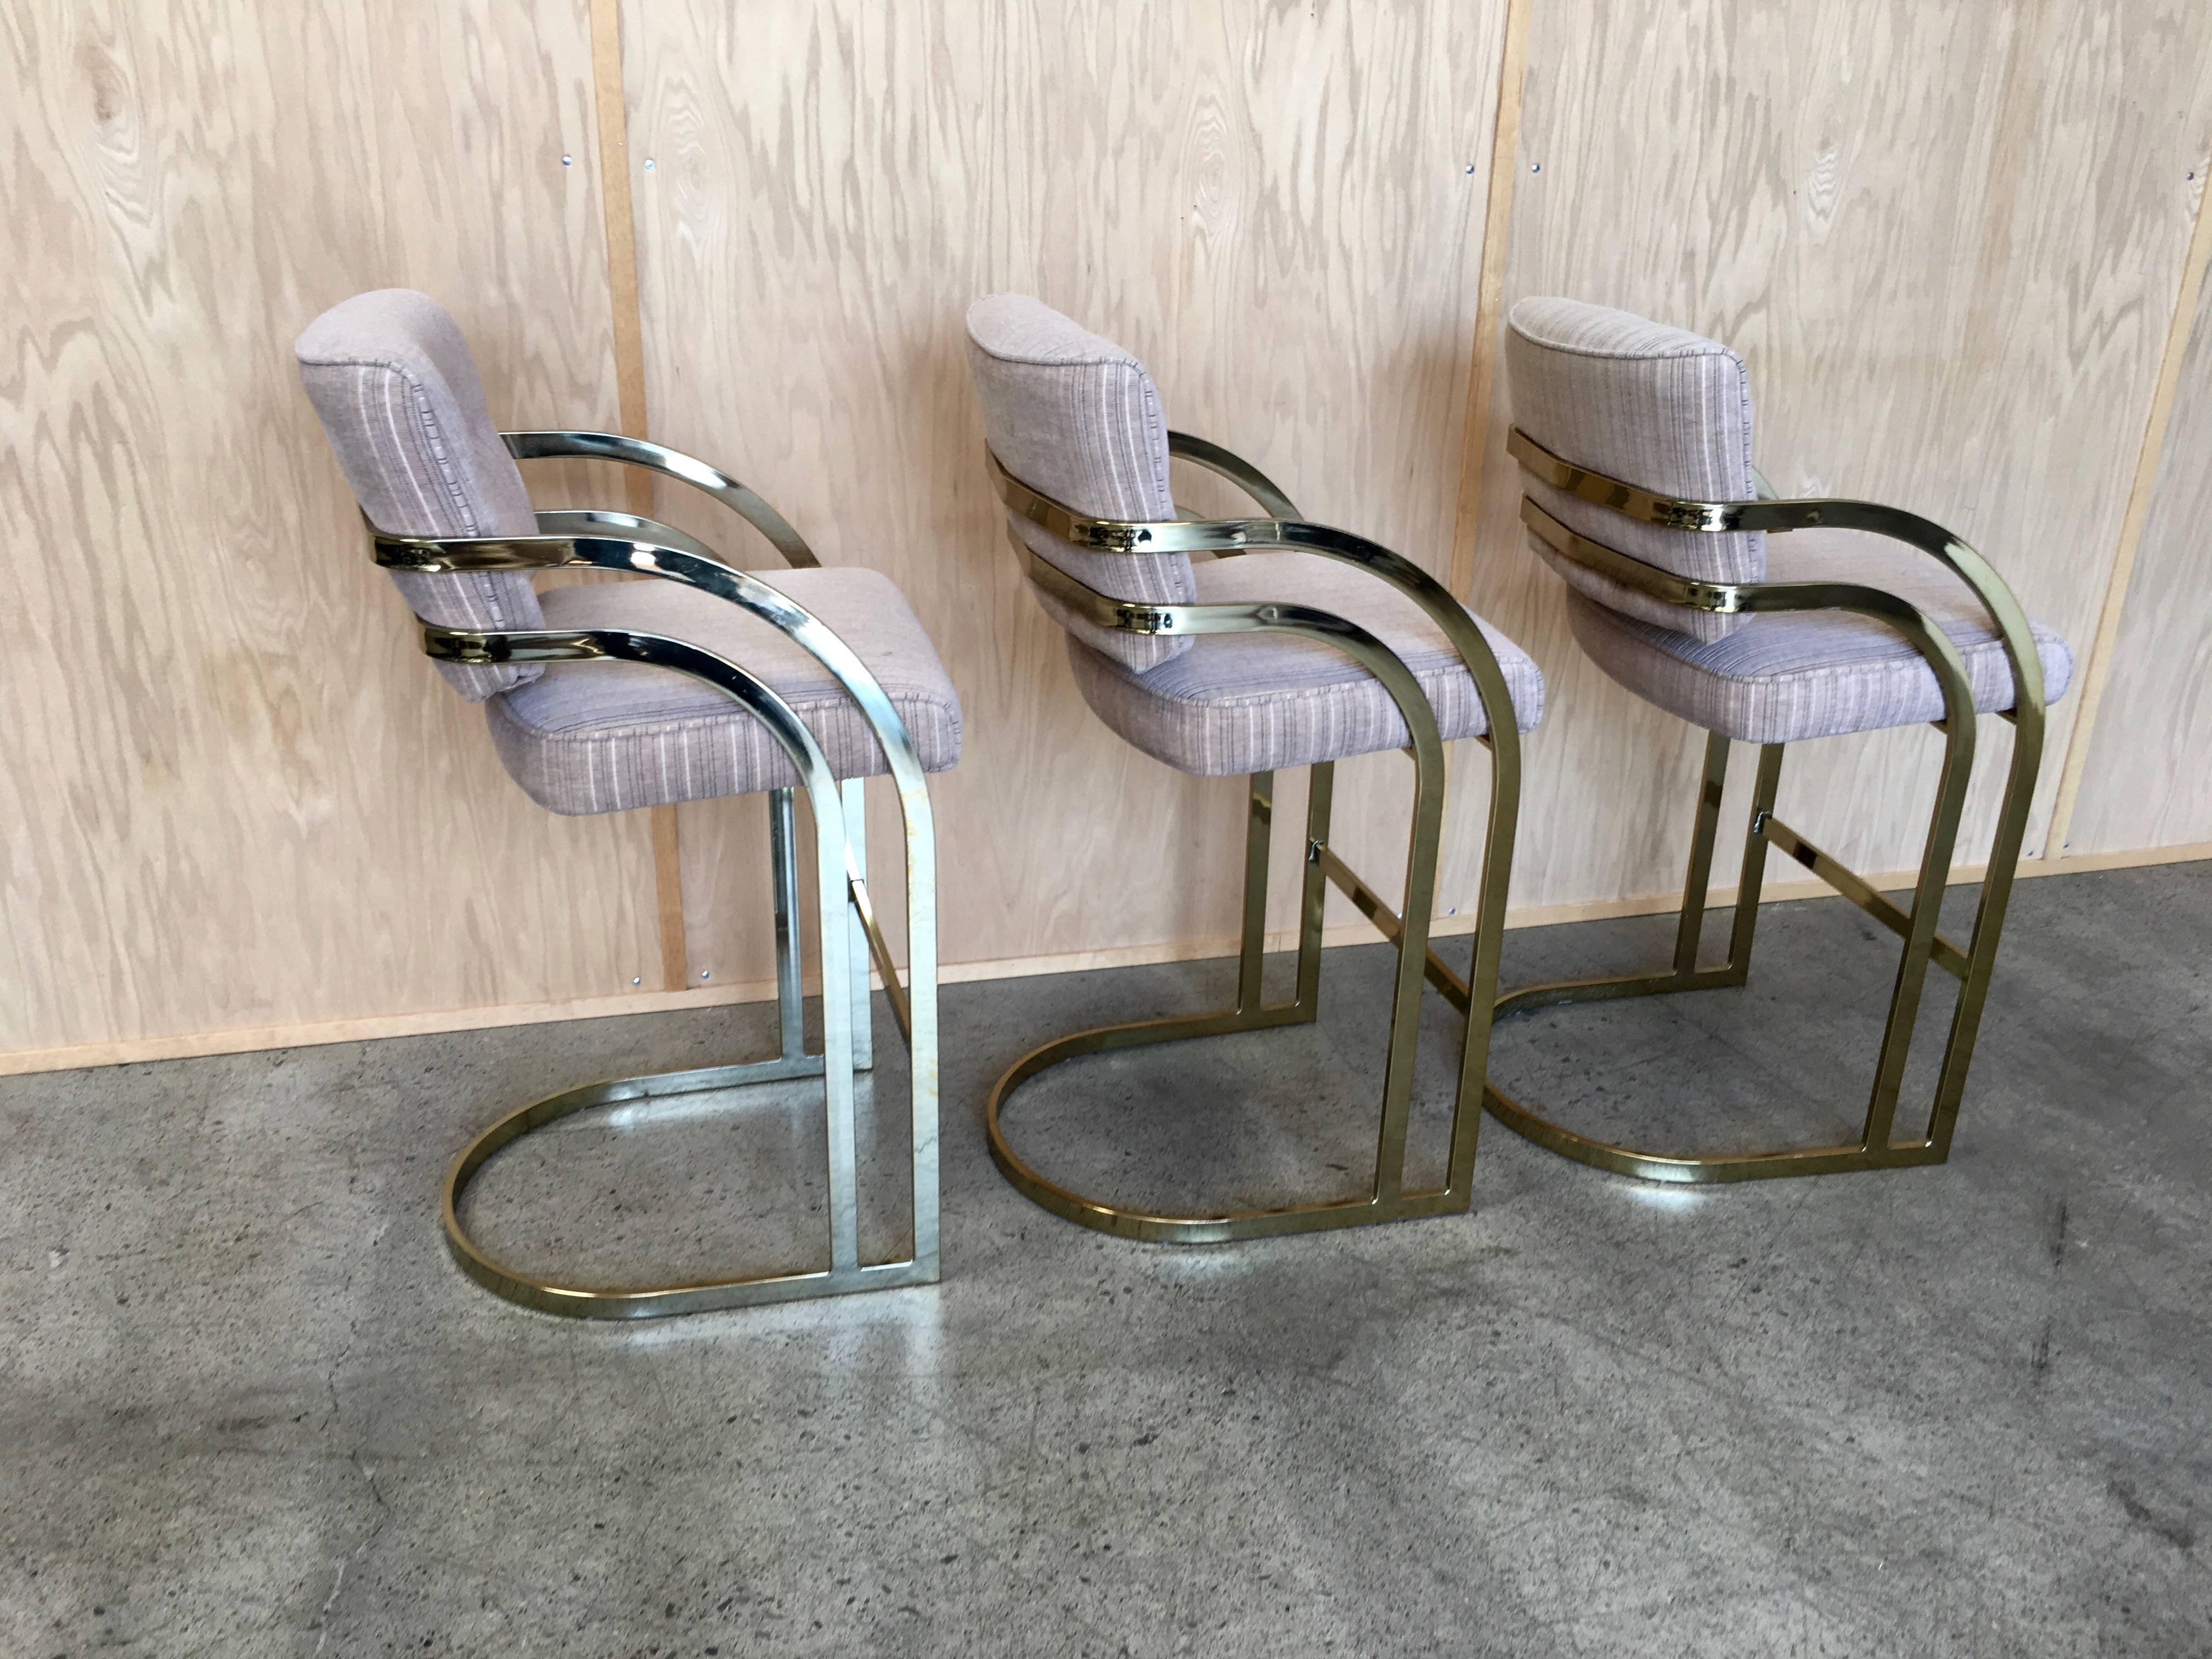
1077,418
1655,406
392,379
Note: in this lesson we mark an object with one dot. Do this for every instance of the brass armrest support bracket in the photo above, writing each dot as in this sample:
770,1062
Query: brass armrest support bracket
1776,516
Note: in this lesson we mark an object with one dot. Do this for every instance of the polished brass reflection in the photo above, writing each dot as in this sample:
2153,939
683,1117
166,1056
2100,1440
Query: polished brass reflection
1878,1145
1388,1198
849,931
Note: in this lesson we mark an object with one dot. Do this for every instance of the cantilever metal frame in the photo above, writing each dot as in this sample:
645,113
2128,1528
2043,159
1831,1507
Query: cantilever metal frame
1388,1198
1877,1148
849,931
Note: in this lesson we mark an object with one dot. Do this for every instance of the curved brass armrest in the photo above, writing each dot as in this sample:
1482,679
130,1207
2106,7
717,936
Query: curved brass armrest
651,549
1257,617
1234,468
674,464
1240,535
1731,598
1777,516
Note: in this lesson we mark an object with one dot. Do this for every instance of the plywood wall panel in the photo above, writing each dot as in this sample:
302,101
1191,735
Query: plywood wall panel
233,794
1946,238
2148,780
1280,208
233,797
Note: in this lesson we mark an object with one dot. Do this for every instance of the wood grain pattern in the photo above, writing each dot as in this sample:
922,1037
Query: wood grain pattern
611,120
1489,313
611,114
1946,238
2147,780
240,811
1273,205
234,793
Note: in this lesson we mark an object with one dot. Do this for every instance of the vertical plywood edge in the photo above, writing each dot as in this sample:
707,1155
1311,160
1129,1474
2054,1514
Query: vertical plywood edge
668,898
613,113
2092,683
1496,228
610,105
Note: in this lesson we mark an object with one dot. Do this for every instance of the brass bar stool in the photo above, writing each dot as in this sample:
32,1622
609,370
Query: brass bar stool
1237,666
1680,598
709,682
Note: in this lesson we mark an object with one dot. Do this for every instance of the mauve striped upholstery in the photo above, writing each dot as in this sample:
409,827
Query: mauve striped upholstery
397,393
1251,703
1077,418
1656,406
1788,675
601,737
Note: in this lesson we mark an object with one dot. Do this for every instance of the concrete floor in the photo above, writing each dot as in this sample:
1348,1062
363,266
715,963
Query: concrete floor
247,1407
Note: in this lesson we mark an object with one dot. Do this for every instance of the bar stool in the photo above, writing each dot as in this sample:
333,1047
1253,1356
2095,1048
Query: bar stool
1634,442
1294,645
606,697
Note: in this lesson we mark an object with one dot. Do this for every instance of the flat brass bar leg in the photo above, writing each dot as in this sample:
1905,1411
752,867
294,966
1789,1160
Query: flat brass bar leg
1422,847
1313,896
1258,820
783,874
914,1005
830,892
1989,924
1763,788
1504,742
1920,941
1698,882
855,797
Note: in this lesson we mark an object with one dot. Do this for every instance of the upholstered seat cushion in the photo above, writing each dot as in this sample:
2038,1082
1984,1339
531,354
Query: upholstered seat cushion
601,737
1251,703
1784,677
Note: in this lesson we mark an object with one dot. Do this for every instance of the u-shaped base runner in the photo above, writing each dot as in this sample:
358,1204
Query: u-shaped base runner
845,1272
1387,1200
1877,1149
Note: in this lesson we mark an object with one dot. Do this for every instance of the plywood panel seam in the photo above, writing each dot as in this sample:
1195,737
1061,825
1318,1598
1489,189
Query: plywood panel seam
2083,736
611,105
1497,231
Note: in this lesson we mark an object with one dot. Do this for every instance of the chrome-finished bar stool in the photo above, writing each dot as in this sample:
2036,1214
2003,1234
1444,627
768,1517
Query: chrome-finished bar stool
606,696
1634,442
1295,645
